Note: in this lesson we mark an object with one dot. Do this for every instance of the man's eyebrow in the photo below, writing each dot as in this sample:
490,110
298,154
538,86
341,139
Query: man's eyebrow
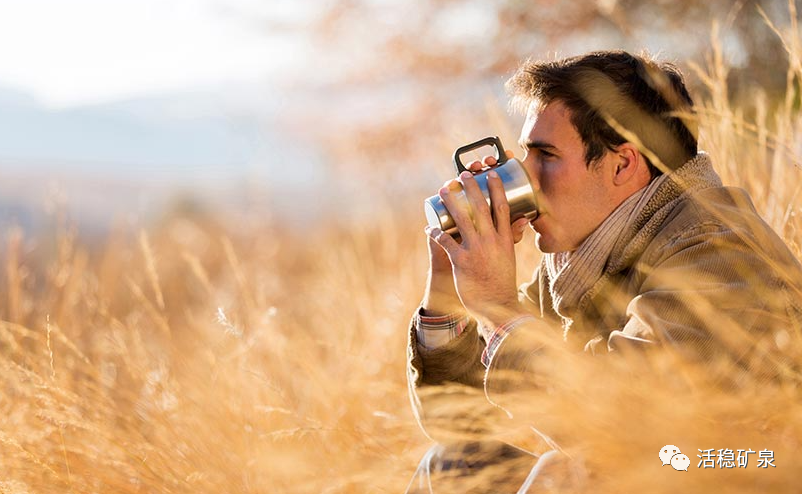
536,145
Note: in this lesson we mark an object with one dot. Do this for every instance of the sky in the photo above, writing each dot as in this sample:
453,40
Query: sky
71,53
119,103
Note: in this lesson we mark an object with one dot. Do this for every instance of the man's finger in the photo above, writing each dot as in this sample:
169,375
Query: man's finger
501,209
478,203
459,212
474,166
518,227
444,240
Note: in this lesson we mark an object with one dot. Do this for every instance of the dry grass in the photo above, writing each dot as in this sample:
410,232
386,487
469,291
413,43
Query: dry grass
190,359
196,357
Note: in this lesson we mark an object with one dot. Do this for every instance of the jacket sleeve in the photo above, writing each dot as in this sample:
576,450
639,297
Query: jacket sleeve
446,385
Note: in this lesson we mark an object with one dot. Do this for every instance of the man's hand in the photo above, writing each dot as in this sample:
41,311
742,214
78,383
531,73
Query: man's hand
441,295
483,263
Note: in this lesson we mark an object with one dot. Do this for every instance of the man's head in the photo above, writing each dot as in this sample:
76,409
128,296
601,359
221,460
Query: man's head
598,128
615,97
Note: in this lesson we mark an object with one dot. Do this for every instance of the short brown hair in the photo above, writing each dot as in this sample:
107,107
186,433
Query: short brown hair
615,97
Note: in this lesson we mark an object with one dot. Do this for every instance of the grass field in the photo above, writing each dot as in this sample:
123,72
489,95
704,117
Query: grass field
208,354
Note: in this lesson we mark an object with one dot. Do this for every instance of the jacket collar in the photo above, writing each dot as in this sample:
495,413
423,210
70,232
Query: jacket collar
696,174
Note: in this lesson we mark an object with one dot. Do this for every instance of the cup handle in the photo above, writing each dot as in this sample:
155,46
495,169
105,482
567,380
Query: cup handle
493,141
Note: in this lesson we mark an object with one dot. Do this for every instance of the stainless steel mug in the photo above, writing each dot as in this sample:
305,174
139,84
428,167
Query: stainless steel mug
517,188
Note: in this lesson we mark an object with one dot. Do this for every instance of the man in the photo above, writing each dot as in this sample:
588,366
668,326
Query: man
642,248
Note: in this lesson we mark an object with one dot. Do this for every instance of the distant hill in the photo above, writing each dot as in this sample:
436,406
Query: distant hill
162,137
135,155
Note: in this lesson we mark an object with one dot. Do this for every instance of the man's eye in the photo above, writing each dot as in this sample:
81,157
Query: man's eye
546,154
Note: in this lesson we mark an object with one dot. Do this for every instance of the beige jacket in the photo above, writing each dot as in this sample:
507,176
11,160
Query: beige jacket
697,268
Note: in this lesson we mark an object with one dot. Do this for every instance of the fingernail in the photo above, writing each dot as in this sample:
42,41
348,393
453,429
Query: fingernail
465,175
492,174
444,191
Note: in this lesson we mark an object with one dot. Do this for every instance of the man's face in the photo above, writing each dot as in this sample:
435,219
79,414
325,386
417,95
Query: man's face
574,199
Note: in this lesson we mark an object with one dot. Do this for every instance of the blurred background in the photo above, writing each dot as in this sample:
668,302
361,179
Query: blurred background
211,230
123,110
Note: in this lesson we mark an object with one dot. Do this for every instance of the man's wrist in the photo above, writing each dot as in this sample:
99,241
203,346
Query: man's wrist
498,315
440,312
438,304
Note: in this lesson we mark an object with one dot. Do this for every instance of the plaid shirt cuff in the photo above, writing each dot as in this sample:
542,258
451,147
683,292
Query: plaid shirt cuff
435,331
498,335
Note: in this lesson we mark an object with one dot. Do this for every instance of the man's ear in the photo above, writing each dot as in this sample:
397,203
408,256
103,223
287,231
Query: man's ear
629,165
